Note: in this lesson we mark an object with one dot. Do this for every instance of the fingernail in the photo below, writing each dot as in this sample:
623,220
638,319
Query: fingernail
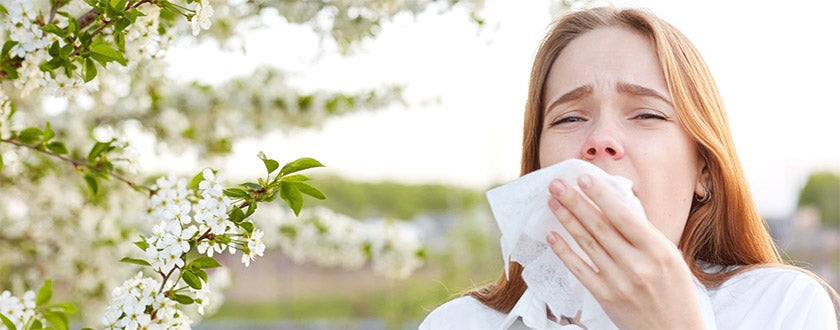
585,181
557,187
551,238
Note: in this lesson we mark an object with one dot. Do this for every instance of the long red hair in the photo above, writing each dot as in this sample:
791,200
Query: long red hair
727,230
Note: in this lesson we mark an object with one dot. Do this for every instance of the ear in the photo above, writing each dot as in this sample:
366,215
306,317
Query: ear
703,178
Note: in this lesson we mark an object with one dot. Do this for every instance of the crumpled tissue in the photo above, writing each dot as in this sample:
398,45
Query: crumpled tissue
524,218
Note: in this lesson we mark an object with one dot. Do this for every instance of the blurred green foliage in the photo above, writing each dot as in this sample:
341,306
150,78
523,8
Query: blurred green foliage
465,255
362,200
822,191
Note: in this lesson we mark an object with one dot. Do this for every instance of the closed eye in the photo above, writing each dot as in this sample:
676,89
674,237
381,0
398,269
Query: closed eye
566,120
650,115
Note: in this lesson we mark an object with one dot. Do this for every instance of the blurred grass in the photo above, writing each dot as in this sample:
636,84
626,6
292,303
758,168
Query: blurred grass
466,256
401,303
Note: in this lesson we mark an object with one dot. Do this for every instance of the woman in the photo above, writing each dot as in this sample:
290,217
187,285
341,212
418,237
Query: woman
629,93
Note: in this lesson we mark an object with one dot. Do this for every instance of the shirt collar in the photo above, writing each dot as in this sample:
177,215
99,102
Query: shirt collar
531,311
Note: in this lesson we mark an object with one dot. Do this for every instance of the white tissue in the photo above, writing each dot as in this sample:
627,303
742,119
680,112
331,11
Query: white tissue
521,208
524,218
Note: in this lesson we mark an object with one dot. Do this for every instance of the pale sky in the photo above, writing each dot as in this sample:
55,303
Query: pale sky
776,64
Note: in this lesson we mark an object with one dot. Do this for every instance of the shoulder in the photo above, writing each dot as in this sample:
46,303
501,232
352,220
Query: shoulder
776,278
463,313
774,296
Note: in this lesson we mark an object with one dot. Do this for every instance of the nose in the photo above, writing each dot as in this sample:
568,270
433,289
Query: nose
602,144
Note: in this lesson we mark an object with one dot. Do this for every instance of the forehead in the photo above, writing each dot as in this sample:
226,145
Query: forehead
601,58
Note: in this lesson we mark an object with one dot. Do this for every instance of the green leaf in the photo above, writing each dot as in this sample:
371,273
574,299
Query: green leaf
206,262
252,186
67,50
295,178
142,244
191,280
119,40
311,191
1,162
36,324
54,49
90,70
72,24
59,320
30,135
299,165
196,180
104,53
201,274
11,72
67,307
92,184
292,196
3,10
44,294
57,147
135,261
235,193
247,226
85,39
8,323
251,208
123,23
97,150
54,29
119,4
236,215
48,133
270,164
7,47
55,63
184,300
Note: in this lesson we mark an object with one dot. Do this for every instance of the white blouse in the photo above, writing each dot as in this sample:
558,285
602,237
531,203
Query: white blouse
765,298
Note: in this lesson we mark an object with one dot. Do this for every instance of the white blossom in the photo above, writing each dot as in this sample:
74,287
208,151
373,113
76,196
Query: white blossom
200,20
17,310
31,76
22,29
210,247
131,302
255,247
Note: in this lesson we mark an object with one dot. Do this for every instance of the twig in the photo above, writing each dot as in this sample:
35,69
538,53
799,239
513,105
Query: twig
166,277
78,164
53,11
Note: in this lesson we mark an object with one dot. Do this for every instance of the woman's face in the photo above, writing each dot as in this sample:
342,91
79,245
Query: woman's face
607,103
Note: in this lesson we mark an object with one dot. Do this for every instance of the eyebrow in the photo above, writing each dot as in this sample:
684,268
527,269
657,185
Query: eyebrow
572,95
638,90
621,87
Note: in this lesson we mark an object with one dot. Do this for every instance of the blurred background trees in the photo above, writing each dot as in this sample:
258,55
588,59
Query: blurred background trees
65,218
822,192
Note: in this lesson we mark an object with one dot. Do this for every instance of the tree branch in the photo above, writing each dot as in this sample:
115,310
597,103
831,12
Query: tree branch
78,164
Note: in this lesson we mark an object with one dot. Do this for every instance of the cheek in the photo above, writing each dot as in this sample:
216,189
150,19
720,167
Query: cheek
554,149
667,177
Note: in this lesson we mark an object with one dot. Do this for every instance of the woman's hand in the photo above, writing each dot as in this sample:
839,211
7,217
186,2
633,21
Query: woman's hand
642,281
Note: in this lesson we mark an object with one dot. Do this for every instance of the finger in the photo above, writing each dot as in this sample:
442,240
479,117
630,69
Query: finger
592,219
579,268
600,258
625,221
